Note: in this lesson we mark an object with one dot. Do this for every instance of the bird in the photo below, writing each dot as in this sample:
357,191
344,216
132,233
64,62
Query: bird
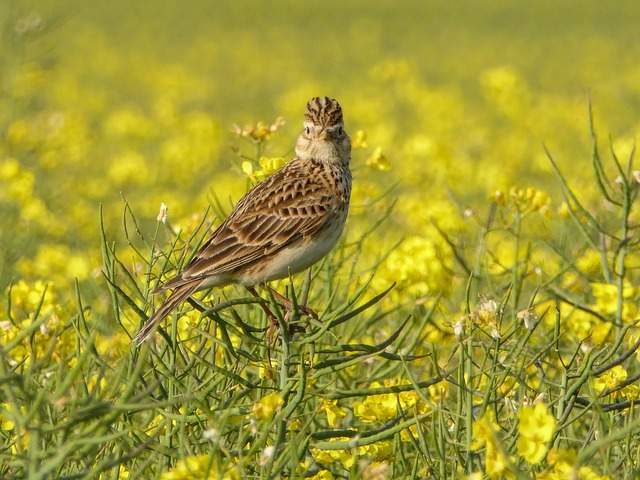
282,225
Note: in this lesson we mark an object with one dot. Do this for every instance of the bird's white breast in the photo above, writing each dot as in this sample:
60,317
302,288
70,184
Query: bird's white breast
294,258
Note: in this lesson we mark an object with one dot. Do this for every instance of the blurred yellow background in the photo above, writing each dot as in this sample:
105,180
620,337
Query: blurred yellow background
187,104
139,99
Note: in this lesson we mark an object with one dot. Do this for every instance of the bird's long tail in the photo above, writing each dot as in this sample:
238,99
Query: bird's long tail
179,295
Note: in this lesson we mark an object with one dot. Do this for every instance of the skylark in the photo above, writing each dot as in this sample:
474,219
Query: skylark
282,225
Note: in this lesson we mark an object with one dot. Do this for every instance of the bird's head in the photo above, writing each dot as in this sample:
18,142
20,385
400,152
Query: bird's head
323,136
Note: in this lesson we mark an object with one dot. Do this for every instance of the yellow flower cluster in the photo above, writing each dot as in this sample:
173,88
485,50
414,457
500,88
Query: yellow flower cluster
563,466
485,434
524,200
6,422
418,266
386,406
199,467
267,406
535,429
606,299
17,186
56,262
486,315
26,300
610,379
260,131
378,451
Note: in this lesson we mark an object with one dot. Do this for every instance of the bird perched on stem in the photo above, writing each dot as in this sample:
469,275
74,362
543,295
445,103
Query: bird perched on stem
283,225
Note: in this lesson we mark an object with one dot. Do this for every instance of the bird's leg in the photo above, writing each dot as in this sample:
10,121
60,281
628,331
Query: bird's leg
273,320
288,304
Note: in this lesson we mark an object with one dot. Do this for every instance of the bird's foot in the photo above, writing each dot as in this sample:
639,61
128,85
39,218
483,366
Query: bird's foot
274,327
290,307
274,324
272,330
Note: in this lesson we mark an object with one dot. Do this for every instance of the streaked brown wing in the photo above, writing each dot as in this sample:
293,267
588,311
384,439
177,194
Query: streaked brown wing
291,204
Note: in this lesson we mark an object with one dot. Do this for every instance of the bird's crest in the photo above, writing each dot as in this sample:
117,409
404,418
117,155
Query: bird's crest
323,111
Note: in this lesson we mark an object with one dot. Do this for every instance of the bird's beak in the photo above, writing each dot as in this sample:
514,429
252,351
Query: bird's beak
322,134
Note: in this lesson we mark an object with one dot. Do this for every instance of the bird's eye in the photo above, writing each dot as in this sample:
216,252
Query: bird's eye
307,130
339,131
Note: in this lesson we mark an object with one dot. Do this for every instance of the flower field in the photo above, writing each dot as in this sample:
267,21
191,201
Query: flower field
479,318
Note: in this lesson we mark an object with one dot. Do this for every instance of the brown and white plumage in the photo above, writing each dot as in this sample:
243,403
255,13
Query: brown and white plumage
282,225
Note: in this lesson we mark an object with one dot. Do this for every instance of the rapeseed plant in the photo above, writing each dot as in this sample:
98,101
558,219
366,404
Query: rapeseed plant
478,320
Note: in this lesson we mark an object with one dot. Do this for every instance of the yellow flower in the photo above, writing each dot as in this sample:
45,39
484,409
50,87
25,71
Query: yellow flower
6,423
561,455
157,425
268,165
606,299
378,161
247,168
377,451
267,406
505,89
383,407
376,408
333,411
27,299
112,346
589,262
260,131
529,200
562,463
322,475
484,430
20,443
127,122
585,327
9,169
631,392
55,262
610,379
267,370
563,210
486,315
418,267
123,474
496,464
408,434
535,427
587,473
199,467
438,391
128,167
359,140
94,386
327,457
563,467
